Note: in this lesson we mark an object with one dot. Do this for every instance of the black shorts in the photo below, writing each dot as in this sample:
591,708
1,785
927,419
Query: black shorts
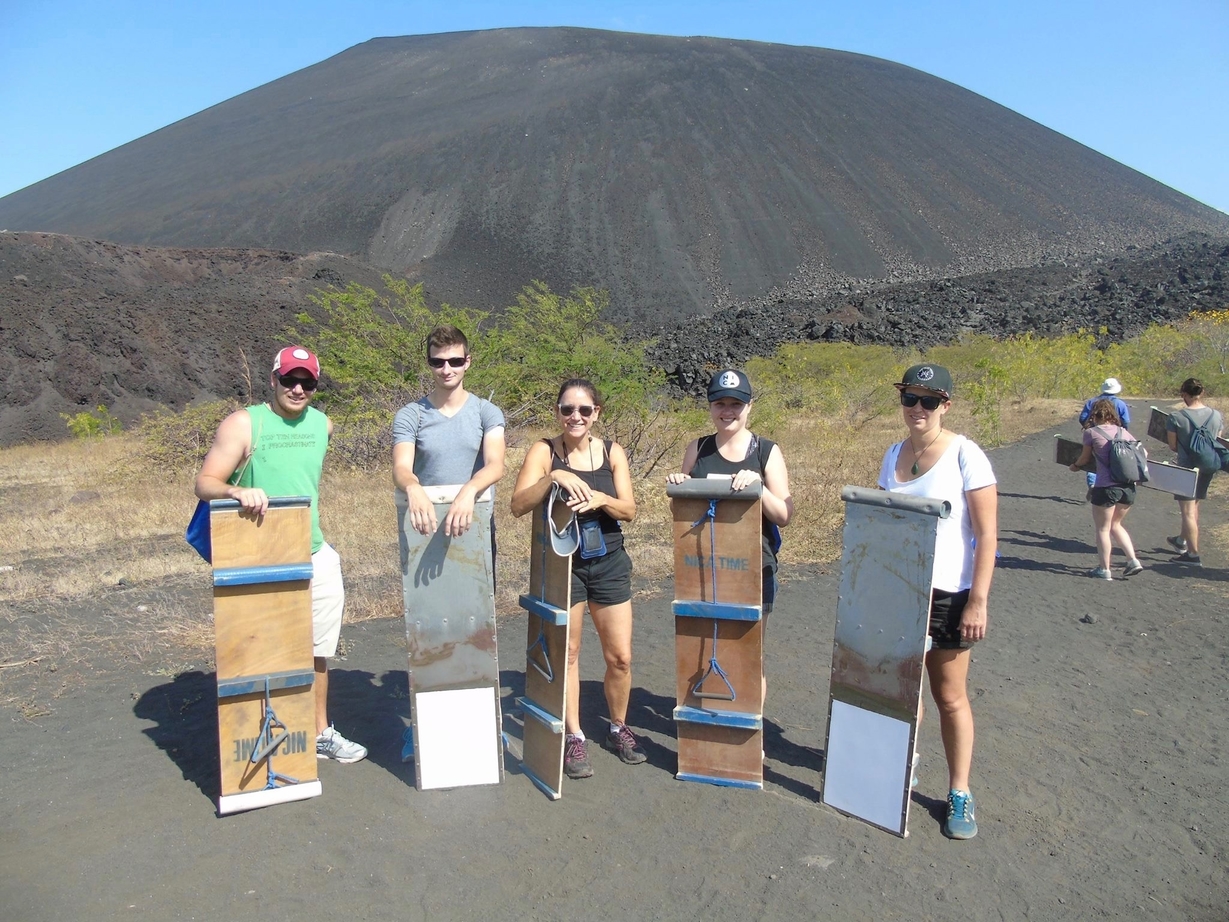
1201,486
1123,495
769,592
606,580
945,611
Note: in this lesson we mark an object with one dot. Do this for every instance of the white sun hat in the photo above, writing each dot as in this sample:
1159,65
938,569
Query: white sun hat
565,539
1111,386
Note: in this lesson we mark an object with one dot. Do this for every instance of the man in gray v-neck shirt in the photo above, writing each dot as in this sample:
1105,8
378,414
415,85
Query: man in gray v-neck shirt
450,436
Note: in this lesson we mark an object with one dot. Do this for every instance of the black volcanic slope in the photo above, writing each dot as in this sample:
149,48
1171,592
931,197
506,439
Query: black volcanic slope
681,174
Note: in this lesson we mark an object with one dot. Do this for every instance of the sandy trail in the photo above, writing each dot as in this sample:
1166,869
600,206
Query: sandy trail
1099,773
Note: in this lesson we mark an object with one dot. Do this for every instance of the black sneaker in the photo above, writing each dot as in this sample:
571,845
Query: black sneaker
576,758
622,743
1178,543
1188,557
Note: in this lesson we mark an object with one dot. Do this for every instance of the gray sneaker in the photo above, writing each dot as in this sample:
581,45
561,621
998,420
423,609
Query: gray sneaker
622,743
1100,573
1132,567
576,758
332,745
1178,543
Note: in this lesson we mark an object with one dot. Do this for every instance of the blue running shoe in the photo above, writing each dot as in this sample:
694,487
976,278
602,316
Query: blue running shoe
960,822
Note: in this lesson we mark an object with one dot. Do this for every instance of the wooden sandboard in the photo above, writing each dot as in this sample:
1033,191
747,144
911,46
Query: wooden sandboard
718,627
263,650
448,594
547,604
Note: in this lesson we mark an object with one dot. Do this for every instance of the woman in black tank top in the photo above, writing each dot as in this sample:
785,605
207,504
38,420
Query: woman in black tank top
735,451
597,478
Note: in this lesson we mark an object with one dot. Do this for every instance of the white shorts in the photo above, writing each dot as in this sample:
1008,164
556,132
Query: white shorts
328,601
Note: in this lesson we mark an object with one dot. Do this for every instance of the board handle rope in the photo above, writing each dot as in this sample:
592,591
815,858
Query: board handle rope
714,667
268,743
547,673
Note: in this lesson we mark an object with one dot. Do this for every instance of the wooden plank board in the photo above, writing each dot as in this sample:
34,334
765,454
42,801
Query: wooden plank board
721,754
550,580
262,629
719,560
449,604
737,564
280,536
740,652
239,721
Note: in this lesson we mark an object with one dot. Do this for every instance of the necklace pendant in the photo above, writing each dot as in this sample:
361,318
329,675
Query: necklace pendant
913,470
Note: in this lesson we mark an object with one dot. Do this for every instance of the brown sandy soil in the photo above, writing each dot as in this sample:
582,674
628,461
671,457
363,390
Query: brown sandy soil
1099,772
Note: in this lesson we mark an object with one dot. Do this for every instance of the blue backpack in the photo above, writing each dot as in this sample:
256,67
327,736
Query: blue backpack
1206,453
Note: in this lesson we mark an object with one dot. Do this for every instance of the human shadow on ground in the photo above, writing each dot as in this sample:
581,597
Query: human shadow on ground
184,712
1070,501
1044,542
374,714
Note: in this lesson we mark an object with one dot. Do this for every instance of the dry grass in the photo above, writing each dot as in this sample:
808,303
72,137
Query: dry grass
80,519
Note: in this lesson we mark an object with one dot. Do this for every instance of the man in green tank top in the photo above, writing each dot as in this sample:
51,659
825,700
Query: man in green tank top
278,450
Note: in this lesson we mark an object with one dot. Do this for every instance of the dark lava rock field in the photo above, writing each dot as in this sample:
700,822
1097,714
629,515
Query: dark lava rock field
1119,294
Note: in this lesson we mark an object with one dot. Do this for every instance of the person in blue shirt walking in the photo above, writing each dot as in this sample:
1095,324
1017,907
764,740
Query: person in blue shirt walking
1110,388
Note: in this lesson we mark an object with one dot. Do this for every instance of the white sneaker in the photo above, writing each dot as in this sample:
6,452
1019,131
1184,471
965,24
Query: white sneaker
332,745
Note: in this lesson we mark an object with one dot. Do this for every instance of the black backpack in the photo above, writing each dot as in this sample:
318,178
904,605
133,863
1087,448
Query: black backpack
1128,462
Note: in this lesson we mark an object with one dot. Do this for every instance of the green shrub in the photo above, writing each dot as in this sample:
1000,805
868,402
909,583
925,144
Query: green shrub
92,424
174,441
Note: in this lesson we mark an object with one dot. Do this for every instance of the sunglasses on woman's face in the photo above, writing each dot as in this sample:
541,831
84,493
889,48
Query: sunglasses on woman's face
455,361
928,401
289,382
567,409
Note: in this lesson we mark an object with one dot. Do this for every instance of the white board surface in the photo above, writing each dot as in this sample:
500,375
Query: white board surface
457,738
866,771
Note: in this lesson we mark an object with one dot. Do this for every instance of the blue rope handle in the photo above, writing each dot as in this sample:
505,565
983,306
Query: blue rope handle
548,673
269,743
711,516
714,667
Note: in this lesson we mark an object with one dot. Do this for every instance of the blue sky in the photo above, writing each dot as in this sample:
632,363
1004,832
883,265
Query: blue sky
1144,83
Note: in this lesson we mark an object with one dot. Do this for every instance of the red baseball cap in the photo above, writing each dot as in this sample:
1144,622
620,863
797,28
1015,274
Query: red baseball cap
294,357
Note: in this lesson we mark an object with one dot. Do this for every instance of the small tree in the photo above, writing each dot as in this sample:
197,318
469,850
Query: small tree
92,424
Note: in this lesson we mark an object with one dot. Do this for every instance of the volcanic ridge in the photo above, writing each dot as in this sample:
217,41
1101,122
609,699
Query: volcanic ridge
780,186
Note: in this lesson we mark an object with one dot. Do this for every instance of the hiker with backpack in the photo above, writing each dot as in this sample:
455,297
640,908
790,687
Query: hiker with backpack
1110,388
1113,493
1192,433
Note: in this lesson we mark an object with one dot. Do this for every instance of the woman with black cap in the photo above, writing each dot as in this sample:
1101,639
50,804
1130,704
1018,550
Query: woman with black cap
939,464
735,451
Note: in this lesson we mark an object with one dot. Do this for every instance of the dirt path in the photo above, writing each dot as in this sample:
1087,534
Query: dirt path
1100,775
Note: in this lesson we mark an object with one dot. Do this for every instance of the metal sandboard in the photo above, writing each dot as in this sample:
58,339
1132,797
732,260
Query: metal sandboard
453,656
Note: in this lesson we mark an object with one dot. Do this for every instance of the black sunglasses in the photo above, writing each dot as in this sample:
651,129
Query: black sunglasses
567,409
928,401
290,381
455,361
